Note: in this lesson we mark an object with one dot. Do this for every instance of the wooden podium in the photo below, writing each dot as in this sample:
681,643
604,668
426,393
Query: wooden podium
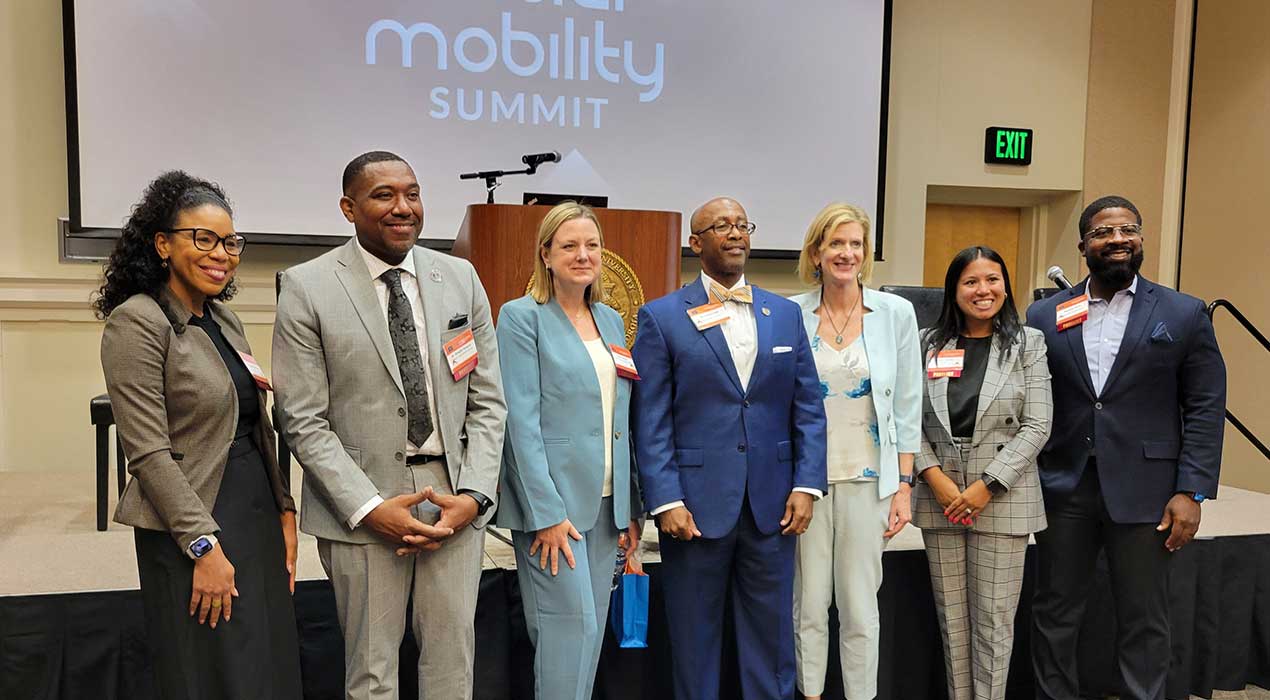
500,240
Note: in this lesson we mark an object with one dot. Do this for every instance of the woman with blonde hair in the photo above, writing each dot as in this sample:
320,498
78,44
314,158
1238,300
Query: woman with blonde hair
568,484
866,351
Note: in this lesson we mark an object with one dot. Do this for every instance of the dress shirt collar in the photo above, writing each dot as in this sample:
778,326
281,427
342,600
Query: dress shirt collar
378,267
1131,290
706,280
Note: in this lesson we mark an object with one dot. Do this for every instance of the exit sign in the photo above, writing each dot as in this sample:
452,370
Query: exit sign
1007,146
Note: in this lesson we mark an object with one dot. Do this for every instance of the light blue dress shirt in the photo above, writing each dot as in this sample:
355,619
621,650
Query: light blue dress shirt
1104,329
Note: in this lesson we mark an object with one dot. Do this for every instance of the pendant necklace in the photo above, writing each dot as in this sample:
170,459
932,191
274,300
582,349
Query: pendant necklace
839,331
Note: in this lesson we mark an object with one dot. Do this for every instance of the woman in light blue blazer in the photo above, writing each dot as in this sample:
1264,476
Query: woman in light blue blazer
866,350
568,487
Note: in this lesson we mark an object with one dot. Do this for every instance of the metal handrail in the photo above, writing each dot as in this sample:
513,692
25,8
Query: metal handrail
1242,319
1265,344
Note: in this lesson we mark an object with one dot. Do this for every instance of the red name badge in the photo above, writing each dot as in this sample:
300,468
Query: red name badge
947,363
1072,312
623,362
460,354
256,373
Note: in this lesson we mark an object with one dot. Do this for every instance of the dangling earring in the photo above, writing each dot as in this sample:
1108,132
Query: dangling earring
816,274
164,263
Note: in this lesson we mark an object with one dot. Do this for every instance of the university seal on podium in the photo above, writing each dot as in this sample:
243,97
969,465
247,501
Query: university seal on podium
622,290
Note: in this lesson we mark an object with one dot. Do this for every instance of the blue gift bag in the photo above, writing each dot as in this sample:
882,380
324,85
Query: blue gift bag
628,611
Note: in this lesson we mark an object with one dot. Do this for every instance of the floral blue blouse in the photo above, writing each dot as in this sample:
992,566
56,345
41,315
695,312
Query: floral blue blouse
853,444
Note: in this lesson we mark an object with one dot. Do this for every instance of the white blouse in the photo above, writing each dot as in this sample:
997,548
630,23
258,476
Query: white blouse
606,373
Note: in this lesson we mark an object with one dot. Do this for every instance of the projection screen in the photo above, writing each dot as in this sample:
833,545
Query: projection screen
655,104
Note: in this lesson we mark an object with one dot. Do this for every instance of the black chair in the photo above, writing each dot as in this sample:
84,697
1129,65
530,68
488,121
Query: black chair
1044,293
103,416
926,301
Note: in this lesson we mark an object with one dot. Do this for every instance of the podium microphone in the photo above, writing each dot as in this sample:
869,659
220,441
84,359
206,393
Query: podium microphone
533,160
1057,277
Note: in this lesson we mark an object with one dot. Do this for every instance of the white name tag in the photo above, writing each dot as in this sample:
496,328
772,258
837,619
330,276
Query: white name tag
708,315
1073,312
947,363
257,373
623,362
460,354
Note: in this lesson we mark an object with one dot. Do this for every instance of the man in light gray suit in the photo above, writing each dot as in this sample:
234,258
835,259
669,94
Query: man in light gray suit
399,435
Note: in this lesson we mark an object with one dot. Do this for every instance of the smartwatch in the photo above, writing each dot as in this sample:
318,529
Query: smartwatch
483,504
996,487
910,479
202,545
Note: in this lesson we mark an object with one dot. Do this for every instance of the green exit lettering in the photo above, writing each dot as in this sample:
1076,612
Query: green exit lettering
1011,144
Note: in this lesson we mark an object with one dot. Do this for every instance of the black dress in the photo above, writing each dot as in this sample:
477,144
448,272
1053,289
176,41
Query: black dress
255,655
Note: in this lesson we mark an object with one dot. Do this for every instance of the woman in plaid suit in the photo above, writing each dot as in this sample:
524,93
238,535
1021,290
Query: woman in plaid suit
986,415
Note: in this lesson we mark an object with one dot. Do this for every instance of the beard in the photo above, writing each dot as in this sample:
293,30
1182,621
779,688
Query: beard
1115,274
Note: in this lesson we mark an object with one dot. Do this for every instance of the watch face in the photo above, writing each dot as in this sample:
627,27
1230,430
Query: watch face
200,547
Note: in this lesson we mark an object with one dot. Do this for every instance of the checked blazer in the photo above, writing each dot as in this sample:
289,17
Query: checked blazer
1012,424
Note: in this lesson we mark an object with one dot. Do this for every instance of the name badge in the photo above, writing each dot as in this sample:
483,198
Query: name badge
708,315
623,362
256,373
1072,312
460,354
946,363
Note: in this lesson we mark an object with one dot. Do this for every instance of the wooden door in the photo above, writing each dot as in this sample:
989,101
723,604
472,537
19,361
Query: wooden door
952,227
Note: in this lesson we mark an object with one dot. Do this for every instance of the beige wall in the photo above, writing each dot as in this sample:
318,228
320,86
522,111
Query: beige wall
1126,136
958,67
1224,235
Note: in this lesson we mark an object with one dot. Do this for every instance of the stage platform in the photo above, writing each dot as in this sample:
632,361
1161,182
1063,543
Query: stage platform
56,570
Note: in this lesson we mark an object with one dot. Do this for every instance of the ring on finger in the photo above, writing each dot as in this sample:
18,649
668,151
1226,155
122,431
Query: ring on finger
216,602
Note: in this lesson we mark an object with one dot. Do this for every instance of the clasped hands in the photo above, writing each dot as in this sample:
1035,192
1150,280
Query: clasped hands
960,507
678,522
393,521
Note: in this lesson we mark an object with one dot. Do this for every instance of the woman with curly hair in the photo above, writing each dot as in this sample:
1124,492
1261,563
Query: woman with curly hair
213,516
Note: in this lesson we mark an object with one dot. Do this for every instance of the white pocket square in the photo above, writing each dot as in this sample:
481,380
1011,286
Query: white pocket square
781,348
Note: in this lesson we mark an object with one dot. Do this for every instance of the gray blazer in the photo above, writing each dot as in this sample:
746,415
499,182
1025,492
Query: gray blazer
339,392
176,411
1011,426
553,457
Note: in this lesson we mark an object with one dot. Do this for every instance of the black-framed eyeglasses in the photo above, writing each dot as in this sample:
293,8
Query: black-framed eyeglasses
1102,233
723,228
206,240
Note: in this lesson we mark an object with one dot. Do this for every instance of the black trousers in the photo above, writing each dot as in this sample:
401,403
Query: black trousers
1079,526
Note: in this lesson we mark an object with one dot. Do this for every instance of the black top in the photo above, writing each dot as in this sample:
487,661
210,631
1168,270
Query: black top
244,384
963,391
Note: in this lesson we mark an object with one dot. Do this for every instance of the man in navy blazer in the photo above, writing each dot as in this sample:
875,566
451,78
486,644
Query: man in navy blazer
729,434
1139,406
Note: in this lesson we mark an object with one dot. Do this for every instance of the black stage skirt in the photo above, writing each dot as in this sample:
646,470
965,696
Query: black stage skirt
256,654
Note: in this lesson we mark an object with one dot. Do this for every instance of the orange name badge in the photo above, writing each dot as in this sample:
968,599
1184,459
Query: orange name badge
947,363
1072,312
708,315
623,362
460,353
256,373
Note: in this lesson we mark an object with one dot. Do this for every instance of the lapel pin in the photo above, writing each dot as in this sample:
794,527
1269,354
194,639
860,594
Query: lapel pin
435,275
767,311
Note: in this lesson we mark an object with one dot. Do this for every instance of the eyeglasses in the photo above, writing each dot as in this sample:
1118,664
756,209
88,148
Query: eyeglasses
1102,233
723,228
206,240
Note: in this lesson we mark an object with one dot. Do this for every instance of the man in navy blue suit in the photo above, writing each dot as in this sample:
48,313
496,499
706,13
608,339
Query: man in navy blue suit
1139,405
729,434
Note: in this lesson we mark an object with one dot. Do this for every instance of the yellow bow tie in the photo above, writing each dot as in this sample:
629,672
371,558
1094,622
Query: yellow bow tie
744,295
